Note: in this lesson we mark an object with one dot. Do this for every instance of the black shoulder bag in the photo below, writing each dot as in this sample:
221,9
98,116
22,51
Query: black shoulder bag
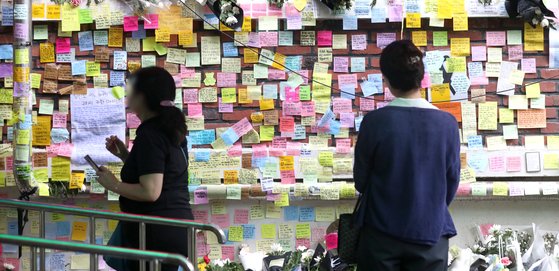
348,233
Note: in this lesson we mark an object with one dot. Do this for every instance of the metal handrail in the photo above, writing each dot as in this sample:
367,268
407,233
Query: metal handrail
128,253
142,220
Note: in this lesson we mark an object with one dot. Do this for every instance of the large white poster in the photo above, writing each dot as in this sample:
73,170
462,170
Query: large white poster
95,116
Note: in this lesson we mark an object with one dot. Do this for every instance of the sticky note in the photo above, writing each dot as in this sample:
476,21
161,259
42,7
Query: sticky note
79,231
413,20
268,231
500,188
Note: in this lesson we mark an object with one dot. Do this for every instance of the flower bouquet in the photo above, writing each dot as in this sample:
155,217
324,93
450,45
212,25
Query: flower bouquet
228,12
338,5
276,259
224,265
251,260
549,262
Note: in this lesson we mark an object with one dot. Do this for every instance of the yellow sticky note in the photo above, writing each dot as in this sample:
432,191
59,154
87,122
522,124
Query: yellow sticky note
267,132
444,9
38,11
533,91
300,4
44,189
326,158
419,38
553,142
118,92
268,231
287,163
250,55
247,24
283,200
325,214
79,261
218,208
413,20
115,36
92,68
533,38
500,189
266,104
460,46
60,170
21,56
456,64
440,92
53,12
77,179
162,35
185,38
35,80
516,77
235,233
228,95
41,175
487,116
23,136
79,231
46,51
70,18
460,21
506,115
551,161
302,230
41,131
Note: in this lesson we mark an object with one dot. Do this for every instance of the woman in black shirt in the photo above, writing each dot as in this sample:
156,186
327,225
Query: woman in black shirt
155,172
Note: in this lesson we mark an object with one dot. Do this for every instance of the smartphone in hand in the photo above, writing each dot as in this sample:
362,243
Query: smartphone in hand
91,162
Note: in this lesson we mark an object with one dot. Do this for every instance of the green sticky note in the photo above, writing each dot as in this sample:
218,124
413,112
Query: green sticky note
235,233
303,231
305,93
148,44
479,189
267,132
85,16
268,231
118,92
440,38
40,32
160,49
514,37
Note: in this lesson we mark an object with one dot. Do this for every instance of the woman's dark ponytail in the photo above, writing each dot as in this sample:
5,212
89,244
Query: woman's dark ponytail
158,87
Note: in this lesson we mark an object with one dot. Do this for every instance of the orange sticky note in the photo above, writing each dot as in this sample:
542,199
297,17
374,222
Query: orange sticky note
79,231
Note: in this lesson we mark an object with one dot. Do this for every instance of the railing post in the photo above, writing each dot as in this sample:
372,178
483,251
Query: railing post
156,265
142,244
42,234
191,244
33,258
93,262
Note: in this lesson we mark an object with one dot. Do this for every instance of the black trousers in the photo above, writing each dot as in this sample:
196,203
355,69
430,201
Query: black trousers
379,252
158,238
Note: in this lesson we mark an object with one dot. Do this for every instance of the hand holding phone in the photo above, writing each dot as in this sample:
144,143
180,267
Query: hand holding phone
91,162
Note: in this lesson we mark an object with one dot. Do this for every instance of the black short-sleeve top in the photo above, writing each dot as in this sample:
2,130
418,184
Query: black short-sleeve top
153,152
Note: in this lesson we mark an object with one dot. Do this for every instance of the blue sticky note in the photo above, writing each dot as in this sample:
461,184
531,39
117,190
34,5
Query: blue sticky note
7,15
378,15
306,214
475,142
78,67
258,161
26,124
376,79
293,62
50,230
116,78
211,18
348,92
358,121
202,137
202,155
350,22
63,228
291,213
248,231
12,230
326,118
140,33
85,40
6,51
229,136
229,49
362,9
335,127
99,240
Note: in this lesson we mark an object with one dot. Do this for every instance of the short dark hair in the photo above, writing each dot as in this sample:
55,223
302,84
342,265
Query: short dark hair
401,62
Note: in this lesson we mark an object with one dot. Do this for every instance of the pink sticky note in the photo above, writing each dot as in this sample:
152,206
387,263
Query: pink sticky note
529,65
236,150
497,164
52,150
293,148
268,39
201,196
324,38
132,121
151,21
331,240
464,189
279,142
303,242
228,252
292,109
366,104
62,45
201,215
130,23
259,150
341,64
426,82
514,163
226,79
241,216
479,53
347,119
274,11
341,105
66,149
259,9
287,176
347,80
187,72
287,124
221,220
515,52
190,96
395,13
343,145
496,38
383,39
195,110
224,107
291,94
59,120
242,127
275,74
307,109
